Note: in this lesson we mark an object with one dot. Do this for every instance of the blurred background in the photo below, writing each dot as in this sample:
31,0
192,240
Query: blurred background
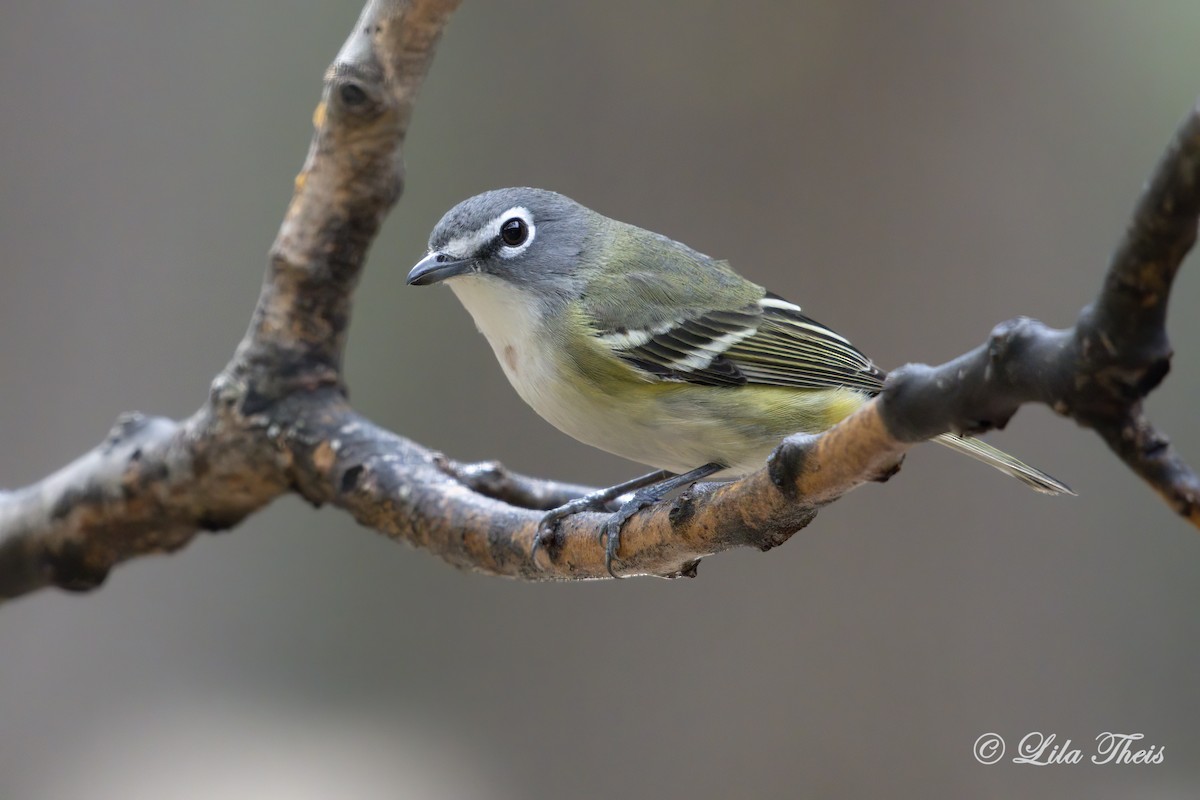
910,173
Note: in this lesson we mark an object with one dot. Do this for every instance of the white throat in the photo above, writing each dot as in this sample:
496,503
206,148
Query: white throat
511,321
503,314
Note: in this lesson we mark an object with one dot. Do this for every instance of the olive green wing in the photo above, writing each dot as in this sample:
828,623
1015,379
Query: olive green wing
767,341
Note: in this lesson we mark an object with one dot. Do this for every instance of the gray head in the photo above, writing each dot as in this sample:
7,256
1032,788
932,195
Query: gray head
531,237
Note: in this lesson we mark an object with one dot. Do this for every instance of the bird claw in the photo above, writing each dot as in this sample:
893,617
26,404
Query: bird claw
610,536
610,531
647,490
547,528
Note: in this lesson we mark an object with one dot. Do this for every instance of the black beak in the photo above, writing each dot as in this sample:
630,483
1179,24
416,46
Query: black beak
435,268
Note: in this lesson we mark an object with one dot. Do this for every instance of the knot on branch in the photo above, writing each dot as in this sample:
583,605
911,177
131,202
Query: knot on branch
75,568
1010,339
789,461
356,94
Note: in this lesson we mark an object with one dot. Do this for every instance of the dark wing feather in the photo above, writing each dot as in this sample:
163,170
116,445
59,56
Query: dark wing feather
792,349
691,350
769,342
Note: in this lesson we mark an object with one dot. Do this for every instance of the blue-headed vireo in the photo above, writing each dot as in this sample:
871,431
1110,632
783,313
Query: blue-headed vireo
639,345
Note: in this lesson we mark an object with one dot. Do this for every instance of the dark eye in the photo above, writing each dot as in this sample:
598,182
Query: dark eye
514,232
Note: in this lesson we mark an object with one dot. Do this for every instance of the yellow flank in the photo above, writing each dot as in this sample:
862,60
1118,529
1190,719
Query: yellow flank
757,412
842,404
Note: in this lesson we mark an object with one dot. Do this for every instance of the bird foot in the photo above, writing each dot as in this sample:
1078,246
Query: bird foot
548,526
647,490
610,532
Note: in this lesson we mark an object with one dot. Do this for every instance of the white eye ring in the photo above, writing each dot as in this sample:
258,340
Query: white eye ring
519,214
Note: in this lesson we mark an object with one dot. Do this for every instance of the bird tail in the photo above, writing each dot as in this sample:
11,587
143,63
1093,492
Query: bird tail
981,451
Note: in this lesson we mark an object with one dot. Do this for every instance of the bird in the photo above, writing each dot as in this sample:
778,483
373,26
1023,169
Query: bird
641,346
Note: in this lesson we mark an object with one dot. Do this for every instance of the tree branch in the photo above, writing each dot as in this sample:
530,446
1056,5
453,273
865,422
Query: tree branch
277,419
1097,372
154,483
